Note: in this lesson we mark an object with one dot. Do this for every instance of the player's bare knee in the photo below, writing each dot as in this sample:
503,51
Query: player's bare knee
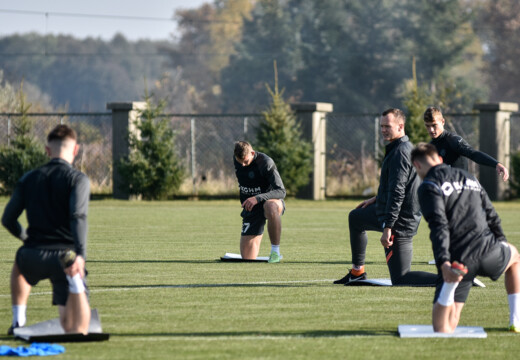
271,210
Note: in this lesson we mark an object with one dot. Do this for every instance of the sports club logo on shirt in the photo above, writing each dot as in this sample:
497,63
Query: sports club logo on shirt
448,188
250,191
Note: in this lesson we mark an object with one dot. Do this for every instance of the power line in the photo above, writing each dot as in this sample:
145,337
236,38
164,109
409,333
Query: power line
101,16
65,14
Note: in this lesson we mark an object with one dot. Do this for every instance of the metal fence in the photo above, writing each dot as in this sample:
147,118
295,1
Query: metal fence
94,134
205,143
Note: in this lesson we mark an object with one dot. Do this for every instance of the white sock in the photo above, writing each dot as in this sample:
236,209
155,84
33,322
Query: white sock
447,294
276,249
76,285
19,315
514,309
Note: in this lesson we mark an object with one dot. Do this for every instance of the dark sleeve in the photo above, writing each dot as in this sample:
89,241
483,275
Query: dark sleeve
492,218
78,204
463,148
12,212
434,212
398,175
270,172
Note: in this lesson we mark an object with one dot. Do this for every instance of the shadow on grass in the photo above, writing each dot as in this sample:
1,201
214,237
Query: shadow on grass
499,330
147,261
187,286
265,334
214,261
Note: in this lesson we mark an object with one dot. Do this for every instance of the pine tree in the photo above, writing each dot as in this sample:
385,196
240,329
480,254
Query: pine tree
416,100
280,137
152,169
23,153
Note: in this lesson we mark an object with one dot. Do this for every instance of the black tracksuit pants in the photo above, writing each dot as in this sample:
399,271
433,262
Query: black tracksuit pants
398,256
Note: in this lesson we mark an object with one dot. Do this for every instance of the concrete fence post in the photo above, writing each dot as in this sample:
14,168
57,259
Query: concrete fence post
313,119
124,115
494,138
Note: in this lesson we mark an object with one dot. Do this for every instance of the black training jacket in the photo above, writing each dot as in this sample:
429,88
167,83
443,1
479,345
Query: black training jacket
454,151
463,223
55,198
260,179
397,206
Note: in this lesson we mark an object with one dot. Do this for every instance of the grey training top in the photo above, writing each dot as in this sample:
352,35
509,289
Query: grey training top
55,197
260,179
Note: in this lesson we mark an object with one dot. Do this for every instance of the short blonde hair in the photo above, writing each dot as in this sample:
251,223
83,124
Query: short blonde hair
242,148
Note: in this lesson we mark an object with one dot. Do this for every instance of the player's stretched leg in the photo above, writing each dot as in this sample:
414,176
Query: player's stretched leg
359,221
399,262
273,210
75,315
512,282
446,318
449,300
70,294
20,290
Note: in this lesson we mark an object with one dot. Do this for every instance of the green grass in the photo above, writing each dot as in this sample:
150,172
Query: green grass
162,292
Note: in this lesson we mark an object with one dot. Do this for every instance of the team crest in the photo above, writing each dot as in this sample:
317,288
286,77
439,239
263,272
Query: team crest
251,174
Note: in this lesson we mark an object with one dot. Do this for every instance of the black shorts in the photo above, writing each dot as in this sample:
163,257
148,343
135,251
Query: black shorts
39,264
492,265
253,222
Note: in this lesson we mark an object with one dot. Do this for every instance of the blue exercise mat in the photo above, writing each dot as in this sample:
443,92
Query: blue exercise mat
35,349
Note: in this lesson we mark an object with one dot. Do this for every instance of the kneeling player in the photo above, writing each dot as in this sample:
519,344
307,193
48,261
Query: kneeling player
261,195
464,228
55,198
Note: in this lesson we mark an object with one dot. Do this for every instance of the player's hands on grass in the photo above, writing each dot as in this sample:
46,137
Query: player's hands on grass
453,274
78,266
367,202
250,203
387,239
502,171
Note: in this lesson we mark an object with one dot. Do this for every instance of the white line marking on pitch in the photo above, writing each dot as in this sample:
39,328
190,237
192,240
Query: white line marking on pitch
187,286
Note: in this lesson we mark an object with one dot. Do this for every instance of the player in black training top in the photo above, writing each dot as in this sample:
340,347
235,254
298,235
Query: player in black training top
464,228
453,149
55,199
261,195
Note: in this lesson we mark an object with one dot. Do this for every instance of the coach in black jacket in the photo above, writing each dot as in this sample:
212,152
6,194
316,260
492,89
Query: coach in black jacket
464,227
394,211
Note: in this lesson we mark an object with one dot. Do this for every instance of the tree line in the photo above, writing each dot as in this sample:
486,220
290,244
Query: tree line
356,54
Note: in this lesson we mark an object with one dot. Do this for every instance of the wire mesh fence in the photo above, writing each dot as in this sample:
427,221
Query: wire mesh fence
205,143
94,134
354,147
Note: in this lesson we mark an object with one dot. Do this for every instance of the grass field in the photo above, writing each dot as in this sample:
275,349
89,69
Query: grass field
162,292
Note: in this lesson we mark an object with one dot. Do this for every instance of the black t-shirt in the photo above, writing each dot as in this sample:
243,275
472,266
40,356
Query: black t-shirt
454,151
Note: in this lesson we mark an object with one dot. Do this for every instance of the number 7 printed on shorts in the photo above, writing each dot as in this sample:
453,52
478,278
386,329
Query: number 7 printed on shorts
245,227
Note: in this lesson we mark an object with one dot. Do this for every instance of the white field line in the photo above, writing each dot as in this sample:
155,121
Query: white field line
185,286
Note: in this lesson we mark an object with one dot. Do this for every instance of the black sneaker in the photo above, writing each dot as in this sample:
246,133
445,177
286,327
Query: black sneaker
10,331
350,278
